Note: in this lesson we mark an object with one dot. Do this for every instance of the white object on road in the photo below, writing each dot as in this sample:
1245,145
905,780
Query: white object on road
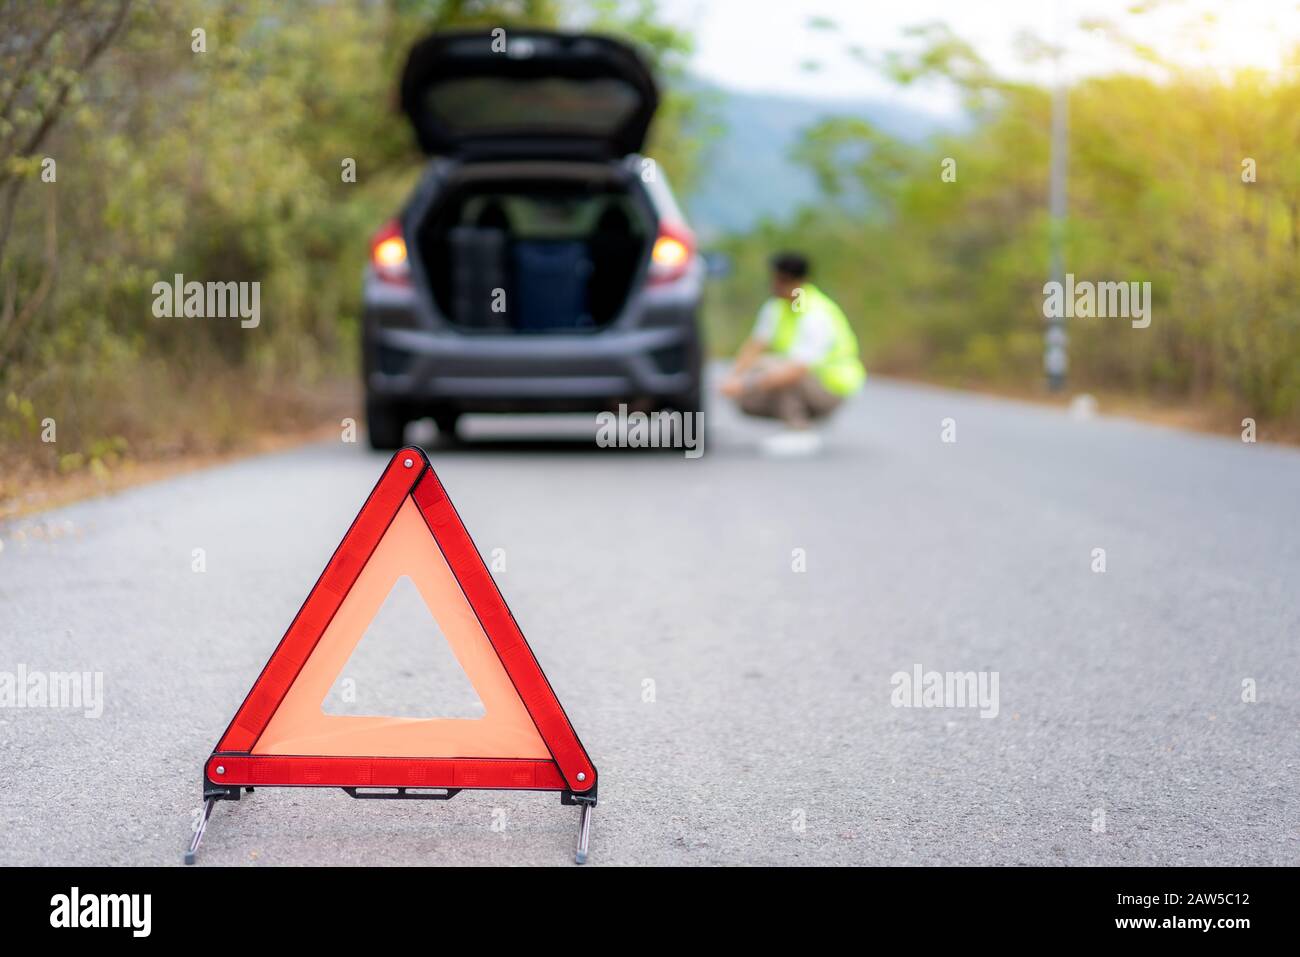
1083,406
792,444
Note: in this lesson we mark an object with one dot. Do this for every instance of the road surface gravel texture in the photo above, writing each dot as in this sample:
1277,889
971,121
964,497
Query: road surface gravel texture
740,711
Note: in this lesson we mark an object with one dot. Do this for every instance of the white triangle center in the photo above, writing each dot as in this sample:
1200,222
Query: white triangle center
403,666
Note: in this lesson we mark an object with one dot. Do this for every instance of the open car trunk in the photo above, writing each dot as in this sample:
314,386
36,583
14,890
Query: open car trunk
518,248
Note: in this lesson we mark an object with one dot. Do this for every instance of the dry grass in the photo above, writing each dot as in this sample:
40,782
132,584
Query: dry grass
212,422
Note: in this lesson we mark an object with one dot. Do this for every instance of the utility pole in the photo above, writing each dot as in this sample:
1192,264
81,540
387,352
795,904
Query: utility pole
1056,361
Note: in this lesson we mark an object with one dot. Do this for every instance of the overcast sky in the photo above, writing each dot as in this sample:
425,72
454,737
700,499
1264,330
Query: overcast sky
759,45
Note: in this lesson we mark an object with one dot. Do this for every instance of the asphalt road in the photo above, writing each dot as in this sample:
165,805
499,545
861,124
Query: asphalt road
1121,736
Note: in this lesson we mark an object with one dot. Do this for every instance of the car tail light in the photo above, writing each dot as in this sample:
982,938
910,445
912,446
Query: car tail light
673,250
388,254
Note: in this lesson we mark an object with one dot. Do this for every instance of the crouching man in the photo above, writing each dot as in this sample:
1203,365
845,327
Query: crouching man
801,361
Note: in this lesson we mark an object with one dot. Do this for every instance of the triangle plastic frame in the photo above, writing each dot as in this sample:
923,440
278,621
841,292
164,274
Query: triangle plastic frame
235,763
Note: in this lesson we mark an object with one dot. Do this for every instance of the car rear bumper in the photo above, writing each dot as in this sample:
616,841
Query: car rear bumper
531,372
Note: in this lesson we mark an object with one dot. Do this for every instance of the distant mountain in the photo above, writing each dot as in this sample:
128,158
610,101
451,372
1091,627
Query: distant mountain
748,173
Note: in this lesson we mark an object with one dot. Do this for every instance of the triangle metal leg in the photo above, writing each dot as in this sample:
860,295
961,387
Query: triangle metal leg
584,833
192,854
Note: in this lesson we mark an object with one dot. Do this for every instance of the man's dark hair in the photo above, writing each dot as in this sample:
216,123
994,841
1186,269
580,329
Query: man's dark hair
791,265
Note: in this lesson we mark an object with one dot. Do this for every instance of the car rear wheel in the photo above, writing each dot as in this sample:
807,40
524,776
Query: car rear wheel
446,420
385,425
692,401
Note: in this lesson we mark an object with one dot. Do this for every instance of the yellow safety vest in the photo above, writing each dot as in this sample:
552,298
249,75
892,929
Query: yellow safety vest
840,371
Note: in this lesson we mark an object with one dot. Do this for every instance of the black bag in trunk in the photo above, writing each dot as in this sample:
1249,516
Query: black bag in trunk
478,271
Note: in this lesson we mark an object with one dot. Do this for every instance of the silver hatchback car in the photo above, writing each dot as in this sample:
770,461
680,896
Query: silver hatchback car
542,263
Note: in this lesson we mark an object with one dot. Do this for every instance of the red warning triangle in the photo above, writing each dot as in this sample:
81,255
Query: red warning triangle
281,735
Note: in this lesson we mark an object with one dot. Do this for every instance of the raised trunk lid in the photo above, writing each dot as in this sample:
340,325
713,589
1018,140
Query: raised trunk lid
512,92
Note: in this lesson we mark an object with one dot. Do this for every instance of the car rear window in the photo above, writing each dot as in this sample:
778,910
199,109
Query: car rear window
483,105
